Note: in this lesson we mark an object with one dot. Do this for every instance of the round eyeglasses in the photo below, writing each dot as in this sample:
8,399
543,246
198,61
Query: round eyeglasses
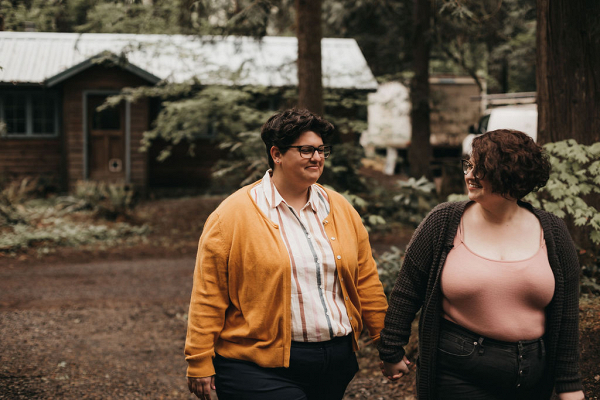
467,166
308,151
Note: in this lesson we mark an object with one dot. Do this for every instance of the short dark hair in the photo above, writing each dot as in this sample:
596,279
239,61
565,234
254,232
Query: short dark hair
282,129
511,161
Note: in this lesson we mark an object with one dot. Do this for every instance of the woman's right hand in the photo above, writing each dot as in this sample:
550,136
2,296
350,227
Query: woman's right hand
395,371
201,386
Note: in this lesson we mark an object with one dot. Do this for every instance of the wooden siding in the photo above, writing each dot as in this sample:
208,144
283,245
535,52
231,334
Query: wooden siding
180,169
100,78
29,157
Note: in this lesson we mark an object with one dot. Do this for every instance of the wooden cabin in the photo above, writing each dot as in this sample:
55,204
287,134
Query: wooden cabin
52,83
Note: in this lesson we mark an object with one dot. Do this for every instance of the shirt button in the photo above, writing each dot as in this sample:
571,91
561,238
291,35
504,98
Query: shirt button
339,257
342,279
332,238
308,236
325,222
346,298
350,318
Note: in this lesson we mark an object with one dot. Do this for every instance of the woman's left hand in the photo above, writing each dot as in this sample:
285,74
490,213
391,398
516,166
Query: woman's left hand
395,371
571,395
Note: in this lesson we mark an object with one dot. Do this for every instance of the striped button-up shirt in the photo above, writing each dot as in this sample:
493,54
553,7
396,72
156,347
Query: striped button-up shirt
317,304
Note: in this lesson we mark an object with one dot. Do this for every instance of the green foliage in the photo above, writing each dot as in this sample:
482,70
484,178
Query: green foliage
205,17
231,116
341,168
27,188
28,218
388,266
382,29
457,197
14,193
575,174
494,37
408,204
60,232
114,17
246,163
106,200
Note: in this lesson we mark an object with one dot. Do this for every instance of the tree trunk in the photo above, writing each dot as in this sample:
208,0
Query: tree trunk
309,33
568,81
420,153
568,70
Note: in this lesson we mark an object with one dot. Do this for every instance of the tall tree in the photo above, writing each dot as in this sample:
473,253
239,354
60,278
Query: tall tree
568,81
309,34
420,153
568,72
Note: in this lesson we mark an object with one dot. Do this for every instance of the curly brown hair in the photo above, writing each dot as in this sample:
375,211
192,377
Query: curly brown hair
511,161
282,129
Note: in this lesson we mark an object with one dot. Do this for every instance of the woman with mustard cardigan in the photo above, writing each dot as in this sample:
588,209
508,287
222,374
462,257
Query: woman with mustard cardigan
284,279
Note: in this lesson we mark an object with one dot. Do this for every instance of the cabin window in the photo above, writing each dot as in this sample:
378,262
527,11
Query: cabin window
29,114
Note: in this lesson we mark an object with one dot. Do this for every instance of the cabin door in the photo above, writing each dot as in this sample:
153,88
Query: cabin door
106,141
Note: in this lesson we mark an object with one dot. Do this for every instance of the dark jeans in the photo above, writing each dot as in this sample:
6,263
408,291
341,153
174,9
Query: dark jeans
318,371
473,367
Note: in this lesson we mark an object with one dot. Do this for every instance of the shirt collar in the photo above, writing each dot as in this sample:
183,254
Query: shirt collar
274,199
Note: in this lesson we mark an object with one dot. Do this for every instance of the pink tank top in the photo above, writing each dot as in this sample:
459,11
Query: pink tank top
503,300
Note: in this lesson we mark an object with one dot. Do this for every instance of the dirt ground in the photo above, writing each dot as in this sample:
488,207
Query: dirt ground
110,323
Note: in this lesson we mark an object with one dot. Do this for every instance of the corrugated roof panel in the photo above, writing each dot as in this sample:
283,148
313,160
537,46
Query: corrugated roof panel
36,56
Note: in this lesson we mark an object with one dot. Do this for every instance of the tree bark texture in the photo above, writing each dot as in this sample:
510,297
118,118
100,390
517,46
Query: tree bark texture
420,153
568,70
309,34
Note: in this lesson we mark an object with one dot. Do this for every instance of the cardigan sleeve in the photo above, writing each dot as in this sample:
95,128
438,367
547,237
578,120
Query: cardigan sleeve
409,290
209,300
370,290
567,375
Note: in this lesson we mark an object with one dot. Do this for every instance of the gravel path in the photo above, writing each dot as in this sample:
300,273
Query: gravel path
98,330
111,330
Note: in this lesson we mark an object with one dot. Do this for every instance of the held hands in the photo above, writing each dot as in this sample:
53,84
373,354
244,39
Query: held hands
201,386
395,371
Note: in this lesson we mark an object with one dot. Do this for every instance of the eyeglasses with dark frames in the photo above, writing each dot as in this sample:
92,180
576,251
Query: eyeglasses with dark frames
308,151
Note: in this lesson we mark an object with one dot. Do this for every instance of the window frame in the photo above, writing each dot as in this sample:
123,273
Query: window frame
29,123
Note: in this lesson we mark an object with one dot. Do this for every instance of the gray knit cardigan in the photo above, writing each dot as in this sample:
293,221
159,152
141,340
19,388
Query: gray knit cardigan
418,288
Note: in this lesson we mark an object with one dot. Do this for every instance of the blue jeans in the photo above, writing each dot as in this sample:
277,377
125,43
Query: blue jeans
318,371
473,367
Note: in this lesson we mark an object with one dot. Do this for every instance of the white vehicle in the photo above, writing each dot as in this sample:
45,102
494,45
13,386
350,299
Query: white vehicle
519,117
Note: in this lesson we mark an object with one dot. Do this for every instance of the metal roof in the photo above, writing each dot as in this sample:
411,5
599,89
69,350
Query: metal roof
37,57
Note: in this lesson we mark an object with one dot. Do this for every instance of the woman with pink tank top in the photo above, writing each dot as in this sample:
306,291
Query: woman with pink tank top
497,285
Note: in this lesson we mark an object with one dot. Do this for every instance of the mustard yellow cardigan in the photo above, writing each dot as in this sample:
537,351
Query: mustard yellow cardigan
240,304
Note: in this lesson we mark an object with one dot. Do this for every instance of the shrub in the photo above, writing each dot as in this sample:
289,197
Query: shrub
388,266
107,200
20,190
575,174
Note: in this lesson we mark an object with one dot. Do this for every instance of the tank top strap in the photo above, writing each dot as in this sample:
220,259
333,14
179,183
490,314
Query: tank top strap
542,240
459,238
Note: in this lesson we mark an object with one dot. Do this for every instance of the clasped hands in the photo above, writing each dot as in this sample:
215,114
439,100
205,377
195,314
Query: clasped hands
395,371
